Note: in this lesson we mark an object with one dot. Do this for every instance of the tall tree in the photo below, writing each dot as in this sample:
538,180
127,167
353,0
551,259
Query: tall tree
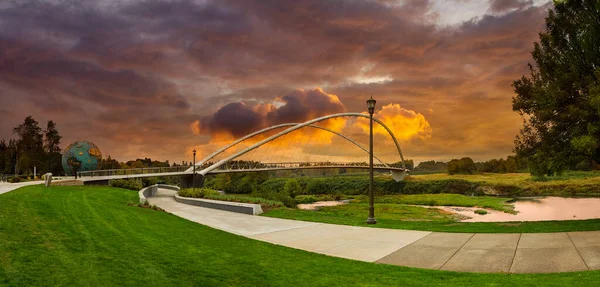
3,155
30,145
560,100
52,138
52,148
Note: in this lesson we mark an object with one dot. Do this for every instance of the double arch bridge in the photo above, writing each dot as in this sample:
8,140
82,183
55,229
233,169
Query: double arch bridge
232,164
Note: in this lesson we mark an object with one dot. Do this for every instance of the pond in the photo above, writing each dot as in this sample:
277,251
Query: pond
537,209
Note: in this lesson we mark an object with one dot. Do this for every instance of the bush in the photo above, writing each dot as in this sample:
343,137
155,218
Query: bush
481,211
197,192
208,193
148,181
292,187
282,196
305,199
15,179
132,184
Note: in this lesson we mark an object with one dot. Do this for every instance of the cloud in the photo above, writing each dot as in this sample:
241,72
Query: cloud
239,119
120,72
405,124
499,6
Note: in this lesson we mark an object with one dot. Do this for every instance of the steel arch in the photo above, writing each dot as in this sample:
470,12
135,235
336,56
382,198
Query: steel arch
294,128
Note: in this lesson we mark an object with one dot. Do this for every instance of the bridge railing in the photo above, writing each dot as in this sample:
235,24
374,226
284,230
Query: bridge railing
131,171
233,165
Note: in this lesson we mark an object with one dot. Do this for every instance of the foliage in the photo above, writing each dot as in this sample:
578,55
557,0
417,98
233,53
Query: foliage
481,211
33,147
292,187
431,166
213,194
15,179
463,165
197,192
131,184
560,100
280,196
511,164
239,183
306,199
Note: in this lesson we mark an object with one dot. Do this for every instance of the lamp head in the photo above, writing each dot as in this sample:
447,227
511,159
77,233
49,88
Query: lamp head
371,105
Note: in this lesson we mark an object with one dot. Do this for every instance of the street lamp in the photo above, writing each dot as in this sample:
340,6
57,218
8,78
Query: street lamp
371,105
194,175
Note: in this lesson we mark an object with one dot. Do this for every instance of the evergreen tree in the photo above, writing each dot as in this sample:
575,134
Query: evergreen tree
560,100
52,148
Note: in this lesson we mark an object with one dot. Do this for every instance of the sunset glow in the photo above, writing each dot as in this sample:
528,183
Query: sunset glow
151,79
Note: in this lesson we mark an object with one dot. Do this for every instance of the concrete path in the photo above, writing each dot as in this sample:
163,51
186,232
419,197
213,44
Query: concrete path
467,252
6,187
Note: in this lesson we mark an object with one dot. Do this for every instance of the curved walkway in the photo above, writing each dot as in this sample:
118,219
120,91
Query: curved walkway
6,187
468,252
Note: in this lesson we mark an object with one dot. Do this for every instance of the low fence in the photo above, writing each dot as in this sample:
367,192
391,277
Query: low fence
132,171
245,208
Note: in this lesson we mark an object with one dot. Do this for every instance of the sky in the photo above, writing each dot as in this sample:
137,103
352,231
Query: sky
160,78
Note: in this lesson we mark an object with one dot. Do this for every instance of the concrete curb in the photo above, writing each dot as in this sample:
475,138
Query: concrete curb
245,208
146,192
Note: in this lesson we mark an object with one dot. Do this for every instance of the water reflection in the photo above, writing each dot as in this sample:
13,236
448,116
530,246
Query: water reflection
536,209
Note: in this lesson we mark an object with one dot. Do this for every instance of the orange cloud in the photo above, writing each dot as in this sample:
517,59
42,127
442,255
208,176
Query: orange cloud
404,124
195,127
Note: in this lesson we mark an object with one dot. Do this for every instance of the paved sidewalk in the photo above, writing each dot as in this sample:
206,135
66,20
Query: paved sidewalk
468,252
6,187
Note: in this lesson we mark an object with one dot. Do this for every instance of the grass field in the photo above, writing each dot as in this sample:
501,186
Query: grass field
567,183
74,236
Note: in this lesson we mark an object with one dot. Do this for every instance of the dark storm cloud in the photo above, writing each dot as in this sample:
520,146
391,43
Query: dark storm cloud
239,119
139,67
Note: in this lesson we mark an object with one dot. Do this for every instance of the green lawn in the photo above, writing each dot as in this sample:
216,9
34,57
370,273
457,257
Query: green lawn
400,216
74,236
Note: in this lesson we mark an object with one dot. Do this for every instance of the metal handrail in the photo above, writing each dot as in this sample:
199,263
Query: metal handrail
130,171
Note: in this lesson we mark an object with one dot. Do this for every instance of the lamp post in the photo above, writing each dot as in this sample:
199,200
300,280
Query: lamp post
371,105
194,175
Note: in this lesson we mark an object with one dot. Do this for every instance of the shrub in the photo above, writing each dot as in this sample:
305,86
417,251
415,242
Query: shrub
197,192
282,196
132,184
305,199
14,179
208,193
148,181
292,187
481,211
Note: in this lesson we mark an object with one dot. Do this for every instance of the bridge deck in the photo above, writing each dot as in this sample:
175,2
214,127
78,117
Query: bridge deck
182,173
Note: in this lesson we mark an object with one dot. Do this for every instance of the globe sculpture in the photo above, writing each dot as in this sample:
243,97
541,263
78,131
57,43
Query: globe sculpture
81,156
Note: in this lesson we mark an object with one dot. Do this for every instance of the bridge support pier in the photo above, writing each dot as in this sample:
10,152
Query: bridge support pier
187,181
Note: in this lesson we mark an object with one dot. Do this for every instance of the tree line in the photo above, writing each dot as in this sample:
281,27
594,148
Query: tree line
466,165
32,147
39,148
